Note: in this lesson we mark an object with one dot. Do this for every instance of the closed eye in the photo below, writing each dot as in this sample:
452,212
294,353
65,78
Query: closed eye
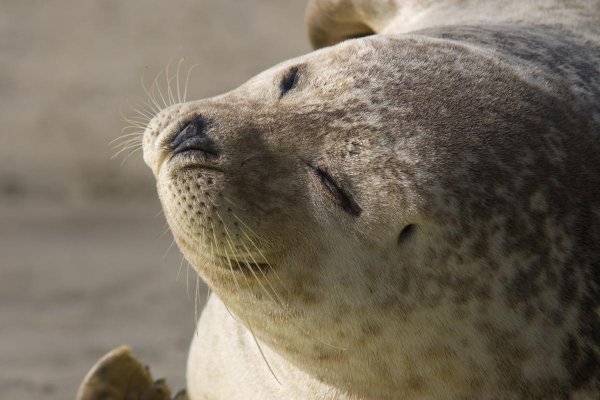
289,81
339,195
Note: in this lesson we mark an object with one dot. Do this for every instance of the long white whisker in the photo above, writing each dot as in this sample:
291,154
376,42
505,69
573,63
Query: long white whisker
137,121
136,129
177,79
235,254
125,141
158,89
140,110
149,107
129,144
168,79
187,280
130,154
169,248
279,301
179,270
187,79
261,353
249,325
126,135
154,106
128,147
274,270
197,300
252,231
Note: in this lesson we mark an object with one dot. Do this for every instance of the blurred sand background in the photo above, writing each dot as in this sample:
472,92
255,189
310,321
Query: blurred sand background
85,261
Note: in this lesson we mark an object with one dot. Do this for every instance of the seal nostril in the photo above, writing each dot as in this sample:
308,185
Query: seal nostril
187,133
193,137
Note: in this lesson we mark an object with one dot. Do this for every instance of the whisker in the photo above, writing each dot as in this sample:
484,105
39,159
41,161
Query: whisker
124,141
156,84
208,293
126,135
128,144
128,147
187,280
136,121
165,229
128,127
169,248
235,254
264,289
252,231
280,302
196,300
149,107
171,99
177,79
179,270
154,106
262,354
249,325
168,79
130,154
274,270
140,111
235,282
230,313
187,79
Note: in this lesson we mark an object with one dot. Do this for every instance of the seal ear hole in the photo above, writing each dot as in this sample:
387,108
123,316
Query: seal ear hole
407,232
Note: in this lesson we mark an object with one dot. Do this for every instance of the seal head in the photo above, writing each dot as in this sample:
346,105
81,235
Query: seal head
397,214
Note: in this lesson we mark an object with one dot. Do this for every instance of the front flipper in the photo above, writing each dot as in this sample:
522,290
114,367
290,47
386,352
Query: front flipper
118,375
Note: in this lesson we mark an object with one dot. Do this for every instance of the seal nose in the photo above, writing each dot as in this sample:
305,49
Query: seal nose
193,137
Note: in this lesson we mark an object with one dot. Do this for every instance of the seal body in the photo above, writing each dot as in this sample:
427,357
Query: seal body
400,216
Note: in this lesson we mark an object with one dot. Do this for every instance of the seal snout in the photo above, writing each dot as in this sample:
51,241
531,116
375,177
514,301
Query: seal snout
193,138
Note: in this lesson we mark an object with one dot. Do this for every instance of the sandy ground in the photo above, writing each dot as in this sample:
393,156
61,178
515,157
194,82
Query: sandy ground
77,283
82,244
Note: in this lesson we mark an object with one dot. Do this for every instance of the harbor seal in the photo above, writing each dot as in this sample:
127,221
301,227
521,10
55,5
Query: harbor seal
411,214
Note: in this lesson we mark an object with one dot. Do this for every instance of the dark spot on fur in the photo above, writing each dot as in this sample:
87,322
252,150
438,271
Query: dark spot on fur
407,232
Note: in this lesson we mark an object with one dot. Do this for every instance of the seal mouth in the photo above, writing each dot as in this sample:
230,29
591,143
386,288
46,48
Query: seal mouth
244,266
190,160
231,264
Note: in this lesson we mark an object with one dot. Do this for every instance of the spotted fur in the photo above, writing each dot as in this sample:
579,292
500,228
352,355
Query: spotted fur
480,139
